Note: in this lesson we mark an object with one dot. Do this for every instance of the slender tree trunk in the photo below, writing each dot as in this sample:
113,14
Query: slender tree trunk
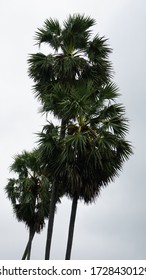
51,221
27,251
63,128
53,204
71,227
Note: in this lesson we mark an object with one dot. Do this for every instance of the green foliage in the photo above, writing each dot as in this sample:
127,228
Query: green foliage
77,58
94,147
88,149
30,192
74,83
50,34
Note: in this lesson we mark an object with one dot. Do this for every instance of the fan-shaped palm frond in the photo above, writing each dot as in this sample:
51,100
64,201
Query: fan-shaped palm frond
50,34
76,32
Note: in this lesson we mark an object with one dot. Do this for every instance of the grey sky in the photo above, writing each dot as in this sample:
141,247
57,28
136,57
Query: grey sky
115,226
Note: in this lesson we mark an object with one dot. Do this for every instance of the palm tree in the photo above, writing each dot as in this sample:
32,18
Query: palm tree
94,149
77,56
48,150
29,194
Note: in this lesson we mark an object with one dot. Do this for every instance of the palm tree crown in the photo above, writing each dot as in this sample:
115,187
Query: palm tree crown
76,56
94,147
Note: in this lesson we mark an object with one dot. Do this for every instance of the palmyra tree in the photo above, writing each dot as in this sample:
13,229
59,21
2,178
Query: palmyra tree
29,194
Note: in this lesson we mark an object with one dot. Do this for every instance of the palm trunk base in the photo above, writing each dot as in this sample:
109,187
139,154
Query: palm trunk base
71,228
27,251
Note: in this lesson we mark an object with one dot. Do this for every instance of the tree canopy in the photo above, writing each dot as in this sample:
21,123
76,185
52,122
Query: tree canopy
87,150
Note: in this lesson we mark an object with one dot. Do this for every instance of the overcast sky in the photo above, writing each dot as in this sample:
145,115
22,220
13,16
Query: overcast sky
115,226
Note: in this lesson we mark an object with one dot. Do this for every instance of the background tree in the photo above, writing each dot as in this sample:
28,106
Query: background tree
77,57
29,194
